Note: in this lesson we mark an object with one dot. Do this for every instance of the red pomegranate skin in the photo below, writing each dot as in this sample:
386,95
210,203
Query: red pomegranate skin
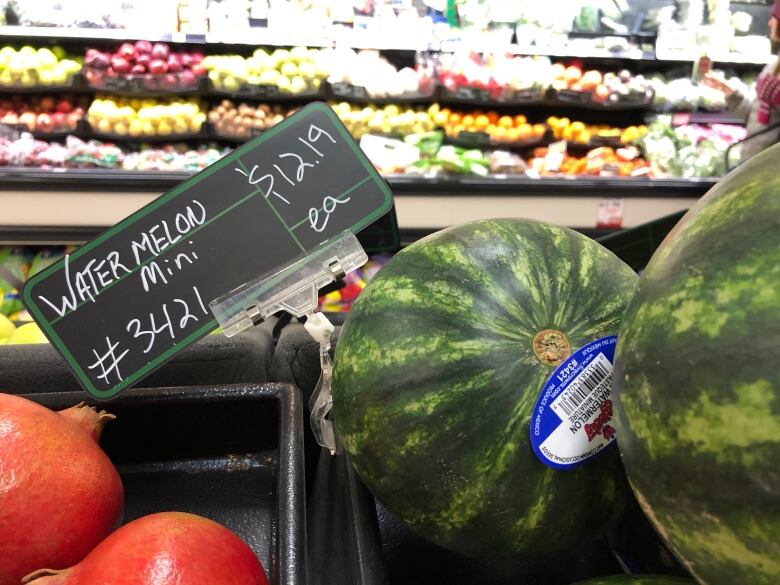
60,495
169,548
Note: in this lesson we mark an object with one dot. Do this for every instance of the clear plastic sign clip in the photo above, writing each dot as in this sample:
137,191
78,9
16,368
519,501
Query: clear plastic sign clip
295,289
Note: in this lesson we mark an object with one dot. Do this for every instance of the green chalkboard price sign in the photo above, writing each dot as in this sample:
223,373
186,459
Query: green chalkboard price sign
124,303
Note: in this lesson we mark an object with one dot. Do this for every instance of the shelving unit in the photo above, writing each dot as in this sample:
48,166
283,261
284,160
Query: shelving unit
71,205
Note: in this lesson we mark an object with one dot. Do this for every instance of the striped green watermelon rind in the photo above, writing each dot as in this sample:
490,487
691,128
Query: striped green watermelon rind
636,580
698,382
435,379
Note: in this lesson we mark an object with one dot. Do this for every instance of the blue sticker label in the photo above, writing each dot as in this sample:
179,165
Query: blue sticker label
572,419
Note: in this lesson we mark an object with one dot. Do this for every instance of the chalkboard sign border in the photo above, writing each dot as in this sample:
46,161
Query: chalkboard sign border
51,334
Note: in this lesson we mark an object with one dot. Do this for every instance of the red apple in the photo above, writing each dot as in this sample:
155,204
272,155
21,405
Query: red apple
170,81
120,64
143,59
174,65
64,106
186,60
59,121
198,69
158,66
143,48
78,112
137,68
127,50
73,119
187,79
10,118
47,104
28,119
44,123
6,104
99,61
160,51
197,57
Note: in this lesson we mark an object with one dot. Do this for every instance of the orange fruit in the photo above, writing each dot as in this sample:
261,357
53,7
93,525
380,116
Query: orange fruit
492,116
558,69
513,135
455,118
468,120
506,122
525,132
500,134
520,119
481,121
539,130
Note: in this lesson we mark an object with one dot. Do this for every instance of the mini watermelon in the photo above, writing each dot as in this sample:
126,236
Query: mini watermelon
636,580
698,382
437,371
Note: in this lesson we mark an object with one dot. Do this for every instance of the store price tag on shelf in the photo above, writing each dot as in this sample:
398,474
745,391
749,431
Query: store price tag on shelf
126,302
610,214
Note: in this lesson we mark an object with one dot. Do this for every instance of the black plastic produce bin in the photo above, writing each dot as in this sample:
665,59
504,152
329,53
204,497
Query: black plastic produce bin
230,453
243,359
635,246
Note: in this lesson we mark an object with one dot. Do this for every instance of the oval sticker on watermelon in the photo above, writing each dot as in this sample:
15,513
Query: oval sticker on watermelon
572,419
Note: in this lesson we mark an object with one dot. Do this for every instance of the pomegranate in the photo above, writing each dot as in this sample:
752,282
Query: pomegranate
59,493
169,548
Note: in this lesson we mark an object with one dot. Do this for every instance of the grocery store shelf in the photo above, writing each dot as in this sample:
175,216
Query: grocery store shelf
357,39
70,206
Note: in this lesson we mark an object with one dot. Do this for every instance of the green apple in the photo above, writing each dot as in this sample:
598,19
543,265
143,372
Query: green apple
307,69
28,51
289,69
27,80
26,334
46,57
298,54
297,85
268,77
6,327
230,83
283,83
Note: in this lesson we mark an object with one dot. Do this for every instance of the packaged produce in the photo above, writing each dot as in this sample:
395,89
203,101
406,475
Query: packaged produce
81,154
171,158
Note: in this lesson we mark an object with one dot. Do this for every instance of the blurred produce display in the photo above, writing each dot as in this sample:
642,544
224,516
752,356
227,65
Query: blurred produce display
292,72
245,120
609,89
500,129
599,162
690,151
43,113
173,158
28,67
143,66
145,117
500,75
391,119
376,76
581,133
683,95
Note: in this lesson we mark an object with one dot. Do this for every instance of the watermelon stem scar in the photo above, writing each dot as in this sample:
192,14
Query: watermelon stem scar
551,347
